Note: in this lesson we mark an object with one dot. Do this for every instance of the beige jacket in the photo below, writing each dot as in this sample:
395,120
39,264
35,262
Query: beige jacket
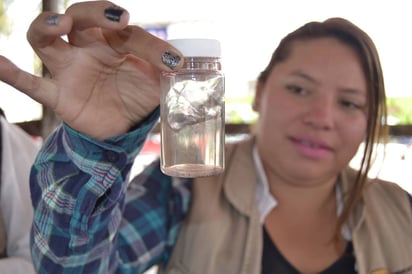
222,233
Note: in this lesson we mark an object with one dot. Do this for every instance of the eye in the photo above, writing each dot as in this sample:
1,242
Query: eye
296,89
349,104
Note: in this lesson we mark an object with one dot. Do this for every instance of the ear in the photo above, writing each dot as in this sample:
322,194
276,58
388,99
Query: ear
258,96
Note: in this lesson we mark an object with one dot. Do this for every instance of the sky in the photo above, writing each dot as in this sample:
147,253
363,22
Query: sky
249,32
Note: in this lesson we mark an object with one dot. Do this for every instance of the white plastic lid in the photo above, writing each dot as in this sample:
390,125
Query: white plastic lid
197,47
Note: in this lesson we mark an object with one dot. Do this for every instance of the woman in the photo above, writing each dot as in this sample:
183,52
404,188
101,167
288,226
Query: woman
287,202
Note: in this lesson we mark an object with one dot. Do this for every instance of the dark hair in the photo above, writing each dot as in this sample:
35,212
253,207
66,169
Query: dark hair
377,131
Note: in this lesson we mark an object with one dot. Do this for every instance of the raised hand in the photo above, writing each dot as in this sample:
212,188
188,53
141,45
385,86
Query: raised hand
104,76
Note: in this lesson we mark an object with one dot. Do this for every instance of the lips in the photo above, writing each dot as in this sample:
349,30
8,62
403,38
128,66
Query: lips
311,144
311,148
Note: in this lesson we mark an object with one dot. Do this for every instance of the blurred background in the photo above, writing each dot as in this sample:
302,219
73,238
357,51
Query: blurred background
249,32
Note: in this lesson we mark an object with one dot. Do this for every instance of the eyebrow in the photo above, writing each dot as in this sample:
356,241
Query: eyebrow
303,75
311,79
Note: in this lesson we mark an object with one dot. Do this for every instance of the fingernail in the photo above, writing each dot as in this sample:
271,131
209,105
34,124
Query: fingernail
113,13
52,20
171,60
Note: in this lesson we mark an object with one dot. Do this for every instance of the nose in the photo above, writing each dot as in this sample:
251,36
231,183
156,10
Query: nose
320,113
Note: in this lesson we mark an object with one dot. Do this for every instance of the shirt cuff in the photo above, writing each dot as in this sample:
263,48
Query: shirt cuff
118,150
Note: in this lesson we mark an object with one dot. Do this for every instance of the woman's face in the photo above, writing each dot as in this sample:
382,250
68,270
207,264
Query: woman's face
312,112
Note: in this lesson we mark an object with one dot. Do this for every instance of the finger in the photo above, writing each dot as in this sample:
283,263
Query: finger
48,28
127,39
39,89
103,14
45,32
137,41
45,36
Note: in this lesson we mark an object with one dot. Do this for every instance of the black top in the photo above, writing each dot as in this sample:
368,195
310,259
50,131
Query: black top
273,261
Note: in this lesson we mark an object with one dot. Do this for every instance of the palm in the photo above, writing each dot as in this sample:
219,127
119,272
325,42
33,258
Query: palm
104,78
101,89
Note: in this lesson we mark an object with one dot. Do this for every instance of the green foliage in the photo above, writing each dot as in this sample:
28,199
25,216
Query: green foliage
5,23
400,110
239,110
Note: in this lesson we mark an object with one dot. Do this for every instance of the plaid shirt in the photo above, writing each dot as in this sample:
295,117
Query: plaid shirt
88,219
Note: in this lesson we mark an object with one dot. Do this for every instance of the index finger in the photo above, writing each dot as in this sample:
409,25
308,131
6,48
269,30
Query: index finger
103,14
137,41
123,38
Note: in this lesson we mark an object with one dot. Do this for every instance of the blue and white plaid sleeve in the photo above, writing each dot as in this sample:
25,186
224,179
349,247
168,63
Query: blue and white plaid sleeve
88,219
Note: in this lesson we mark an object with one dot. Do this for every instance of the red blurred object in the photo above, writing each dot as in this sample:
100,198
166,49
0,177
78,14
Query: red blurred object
151,146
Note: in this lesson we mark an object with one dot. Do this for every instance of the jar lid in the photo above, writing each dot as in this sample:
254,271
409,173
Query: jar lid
197,47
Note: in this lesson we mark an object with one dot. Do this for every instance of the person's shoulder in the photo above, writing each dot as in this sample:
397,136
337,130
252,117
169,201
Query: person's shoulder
384,186
12,129
377,184
390,194
16,134
17,143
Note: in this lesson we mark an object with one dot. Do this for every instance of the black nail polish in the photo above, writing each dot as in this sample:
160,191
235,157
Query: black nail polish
113,13
171,60
52,20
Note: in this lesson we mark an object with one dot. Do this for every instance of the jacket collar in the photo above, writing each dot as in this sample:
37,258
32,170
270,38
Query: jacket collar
240,181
